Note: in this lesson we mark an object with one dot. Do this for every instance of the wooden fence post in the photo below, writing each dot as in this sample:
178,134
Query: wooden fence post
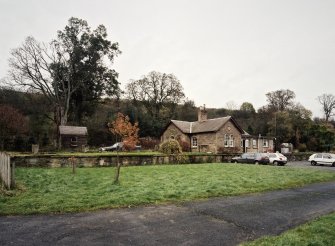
7,171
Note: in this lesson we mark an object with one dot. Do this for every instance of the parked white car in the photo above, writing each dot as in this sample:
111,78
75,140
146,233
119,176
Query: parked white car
115,147
322,159
277,159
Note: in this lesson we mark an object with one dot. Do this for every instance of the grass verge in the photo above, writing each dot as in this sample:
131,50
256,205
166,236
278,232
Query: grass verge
58,190
318,232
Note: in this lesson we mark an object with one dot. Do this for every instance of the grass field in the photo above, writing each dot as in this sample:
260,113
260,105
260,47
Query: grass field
58,190
318,232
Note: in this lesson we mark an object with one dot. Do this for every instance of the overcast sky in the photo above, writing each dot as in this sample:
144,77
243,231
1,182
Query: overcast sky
220,50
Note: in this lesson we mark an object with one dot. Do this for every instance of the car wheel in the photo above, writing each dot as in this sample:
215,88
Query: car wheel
313,163
333,165
235,162
275,163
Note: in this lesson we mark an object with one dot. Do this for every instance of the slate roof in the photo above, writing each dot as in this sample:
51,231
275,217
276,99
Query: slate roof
73,130
211,125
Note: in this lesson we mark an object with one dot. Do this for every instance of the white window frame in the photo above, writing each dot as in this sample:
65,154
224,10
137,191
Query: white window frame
226,140
247,143
254,143
231,141
194,142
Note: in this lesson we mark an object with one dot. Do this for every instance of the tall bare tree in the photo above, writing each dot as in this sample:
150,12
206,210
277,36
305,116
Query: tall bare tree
328,104
159,93
280,99
75,61
32,69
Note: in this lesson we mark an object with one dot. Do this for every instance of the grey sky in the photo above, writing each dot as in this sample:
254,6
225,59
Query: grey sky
221,51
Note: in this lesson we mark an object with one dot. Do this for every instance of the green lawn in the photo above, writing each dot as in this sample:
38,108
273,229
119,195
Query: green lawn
319,232
58,190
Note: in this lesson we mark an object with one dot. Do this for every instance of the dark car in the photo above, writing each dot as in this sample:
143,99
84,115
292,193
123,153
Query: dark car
253,158
115,147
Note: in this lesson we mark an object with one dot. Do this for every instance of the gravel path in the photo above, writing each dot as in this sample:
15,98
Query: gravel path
306,164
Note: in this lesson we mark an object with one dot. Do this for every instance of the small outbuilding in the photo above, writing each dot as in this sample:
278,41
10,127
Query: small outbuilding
73,137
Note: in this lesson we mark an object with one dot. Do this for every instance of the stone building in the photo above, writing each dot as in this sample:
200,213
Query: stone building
219,135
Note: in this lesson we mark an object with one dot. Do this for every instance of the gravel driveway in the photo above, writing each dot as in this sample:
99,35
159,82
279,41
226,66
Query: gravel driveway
306,164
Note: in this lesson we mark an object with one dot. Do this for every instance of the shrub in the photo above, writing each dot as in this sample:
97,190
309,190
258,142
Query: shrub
185,145
230,150
149,143
170,147
302,147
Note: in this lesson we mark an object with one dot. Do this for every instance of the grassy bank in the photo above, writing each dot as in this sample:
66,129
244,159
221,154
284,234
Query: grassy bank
317,232
58,190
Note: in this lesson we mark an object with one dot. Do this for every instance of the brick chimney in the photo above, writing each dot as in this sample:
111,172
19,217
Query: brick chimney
202,113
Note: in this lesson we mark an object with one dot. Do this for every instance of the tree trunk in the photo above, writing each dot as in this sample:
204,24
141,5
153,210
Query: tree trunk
118,168
61,120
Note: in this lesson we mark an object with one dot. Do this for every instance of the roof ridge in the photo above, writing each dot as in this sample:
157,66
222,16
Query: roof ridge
181,121
213,119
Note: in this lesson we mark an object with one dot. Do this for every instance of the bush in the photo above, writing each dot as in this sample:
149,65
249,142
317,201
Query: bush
230,150
149,143
185,145
302,147
170,147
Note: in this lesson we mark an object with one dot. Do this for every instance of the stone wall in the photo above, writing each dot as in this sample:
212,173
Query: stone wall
131,160
126,160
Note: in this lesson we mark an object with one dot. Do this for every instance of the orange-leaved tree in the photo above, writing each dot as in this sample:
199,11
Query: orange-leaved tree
127,132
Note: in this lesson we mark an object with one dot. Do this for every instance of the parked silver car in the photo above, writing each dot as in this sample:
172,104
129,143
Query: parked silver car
322,159
115,147
277,159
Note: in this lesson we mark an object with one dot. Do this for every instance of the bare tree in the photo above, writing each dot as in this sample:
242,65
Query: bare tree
32,69
328,104
156,91
280,99
231,105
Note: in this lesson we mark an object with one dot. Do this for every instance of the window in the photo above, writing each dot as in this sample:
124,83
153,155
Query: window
74,139
226,140
242,143
265,143
231,141
194,142
254,143
247,143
